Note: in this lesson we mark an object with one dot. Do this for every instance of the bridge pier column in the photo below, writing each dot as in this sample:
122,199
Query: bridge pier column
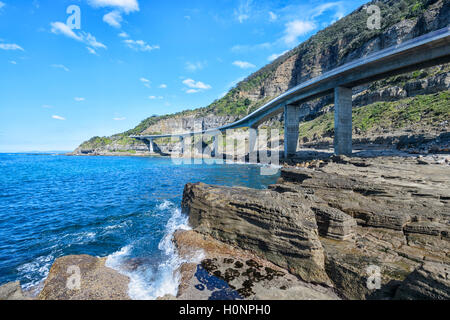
343,121
291,124
182,144
252,144
150,146
215,146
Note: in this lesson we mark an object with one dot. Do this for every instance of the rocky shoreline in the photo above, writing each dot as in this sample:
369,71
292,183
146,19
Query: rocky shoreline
333,223
338,228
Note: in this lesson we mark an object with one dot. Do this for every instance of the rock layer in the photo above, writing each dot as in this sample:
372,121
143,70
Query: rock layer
260,221
385,214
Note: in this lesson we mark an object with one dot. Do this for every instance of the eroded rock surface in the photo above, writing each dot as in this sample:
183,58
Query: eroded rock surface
97,282
261,221
387,214
429,281
12,291
224,272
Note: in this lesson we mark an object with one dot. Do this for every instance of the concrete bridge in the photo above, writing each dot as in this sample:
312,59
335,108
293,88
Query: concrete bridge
418,53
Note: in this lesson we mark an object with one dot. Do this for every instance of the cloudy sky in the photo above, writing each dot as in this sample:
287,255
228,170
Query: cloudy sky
131,59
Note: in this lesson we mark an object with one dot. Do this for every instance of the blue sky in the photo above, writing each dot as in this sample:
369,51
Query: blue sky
132,59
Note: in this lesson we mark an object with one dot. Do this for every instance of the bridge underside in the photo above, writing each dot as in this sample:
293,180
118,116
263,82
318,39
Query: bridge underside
415,54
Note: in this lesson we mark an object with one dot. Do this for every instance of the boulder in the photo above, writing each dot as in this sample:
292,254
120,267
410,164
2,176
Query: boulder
93,282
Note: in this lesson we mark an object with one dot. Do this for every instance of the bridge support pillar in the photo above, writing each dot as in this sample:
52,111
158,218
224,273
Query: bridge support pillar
150,145
291,123
182,144
343,121
215,145
253,144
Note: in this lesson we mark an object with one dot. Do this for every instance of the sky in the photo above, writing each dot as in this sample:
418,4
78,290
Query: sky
63,82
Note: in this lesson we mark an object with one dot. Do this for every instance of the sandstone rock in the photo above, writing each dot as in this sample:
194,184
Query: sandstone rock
226,272
97,282
12,291
431,281
260,221
334,223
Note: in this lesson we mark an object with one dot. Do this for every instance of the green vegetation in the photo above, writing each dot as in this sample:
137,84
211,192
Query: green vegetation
95,143
425,110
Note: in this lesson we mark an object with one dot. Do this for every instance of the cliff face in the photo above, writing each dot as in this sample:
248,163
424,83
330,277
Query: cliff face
344,41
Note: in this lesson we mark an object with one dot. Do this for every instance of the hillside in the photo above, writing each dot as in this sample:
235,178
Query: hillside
345,40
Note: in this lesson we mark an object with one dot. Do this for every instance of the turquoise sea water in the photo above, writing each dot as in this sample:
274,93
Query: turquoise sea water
123,208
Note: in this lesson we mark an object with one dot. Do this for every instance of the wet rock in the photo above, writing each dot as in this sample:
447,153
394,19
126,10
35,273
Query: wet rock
250,277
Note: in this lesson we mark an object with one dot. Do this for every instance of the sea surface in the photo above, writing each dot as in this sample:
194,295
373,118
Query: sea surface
123,208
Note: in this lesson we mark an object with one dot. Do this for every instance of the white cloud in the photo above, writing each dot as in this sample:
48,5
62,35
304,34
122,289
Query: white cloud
120,119
123,35
194,66
60,66
10,46
64,29
91,41
330,5
87,38
295,29
187,17
195,86
243,64
155,97
139,45
2,4
79,99
272,16
92,51
124,5
13,62
243,12
243,17
145,81
58,117
114,19
163,86
276,55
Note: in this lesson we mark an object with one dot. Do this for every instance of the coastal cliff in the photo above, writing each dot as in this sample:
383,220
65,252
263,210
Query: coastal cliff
345,40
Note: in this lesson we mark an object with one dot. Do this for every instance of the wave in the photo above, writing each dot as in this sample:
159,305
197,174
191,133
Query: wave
147,283
40,266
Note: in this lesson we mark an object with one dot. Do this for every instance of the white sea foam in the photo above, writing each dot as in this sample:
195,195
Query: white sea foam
165,205
40,266
148,284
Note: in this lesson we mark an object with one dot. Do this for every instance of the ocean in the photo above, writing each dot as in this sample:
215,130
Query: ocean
122,208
